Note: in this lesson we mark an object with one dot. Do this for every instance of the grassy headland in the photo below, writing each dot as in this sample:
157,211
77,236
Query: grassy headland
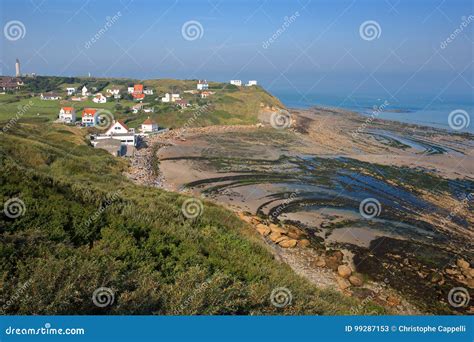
85,226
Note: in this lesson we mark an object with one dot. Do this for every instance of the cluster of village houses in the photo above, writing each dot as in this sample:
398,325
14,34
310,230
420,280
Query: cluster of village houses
118,139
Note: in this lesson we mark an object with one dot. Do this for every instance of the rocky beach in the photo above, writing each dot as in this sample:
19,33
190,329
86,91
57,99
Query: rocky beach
378,209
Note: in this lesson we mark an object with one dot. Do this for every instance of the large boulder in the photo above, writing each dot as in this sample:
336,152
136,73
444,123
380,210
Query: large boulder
282,238
289,243
356,279
263,229
304,243
276,229
343,283
274,236
462,264
344,271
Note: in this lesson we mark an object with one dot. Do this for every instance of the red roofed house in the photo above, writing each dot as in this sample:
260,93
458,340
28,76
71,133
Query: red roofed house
149,126
67,115
88,117
138,91
138,96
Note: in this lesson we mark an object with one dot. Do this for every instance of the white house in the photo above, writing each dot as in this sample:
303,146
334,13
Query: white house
170,98
113,91
67,115
251,83
50,96
237,83
85,91
148,91
120,131
130,90
99,98
88,117
202,85
149,126
71,91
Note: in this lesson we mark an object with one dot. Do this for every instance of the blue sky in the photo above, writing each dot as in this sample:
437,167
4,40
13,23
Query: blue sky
321,50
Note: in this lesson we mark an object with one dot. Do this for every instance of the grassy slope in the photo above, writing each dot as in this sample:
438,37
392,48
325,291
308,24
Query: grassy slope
141,245
230,105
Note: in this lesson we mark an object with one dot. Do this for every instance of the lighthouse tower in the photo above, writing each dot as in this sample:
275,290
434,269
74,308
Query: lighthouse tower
17,68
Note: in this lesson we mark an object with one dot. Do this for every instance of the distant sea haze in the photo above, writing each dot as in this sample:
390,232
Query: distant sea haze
421,110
